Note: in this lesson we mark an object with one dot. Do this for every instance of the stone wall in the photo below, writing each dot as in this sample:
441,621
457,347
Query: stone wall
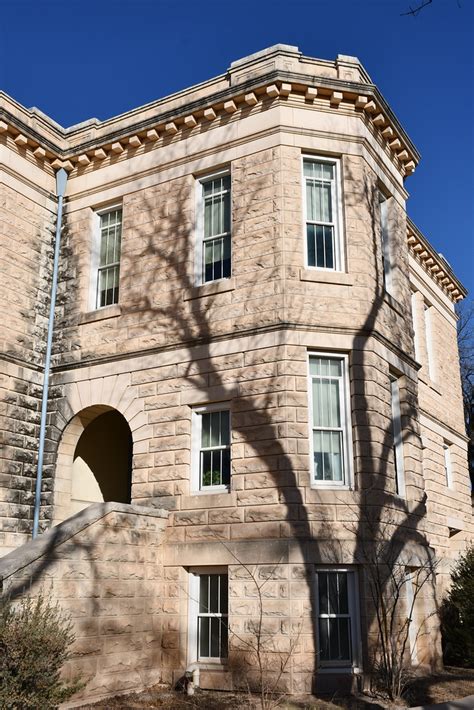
26,231
104,567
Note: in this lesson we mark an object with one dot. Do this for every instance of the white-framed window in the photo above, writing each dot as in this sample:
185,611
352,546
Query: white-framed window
330,429
338,622
416,328
322,213
384,203
106,256
211,448
397,436
214,227
428,314
208,614
448,469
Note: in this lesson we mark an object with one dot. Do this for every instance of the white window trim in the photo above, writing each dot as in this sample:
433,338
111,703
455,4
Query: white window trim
193,613
196,427
339,255
354,614
95,254
416,325
397,435
198,252
427,315
384,208
348,458
448,464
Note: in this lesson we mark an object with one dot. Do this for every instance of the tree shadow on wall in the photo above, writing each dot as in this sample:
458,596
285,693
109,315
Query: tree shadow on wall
171,311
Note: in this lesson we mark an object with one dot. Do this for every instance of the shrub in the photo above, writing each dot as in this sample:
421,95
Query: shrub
34,639
457,614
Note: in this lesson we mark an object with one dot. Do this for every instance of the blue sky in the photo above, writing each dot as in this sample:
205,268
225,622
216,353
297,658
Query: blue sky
75,59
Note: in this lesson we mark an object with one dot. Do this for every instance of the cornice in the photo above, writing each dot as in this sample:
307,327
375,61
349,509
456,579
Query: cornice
433,263
265,91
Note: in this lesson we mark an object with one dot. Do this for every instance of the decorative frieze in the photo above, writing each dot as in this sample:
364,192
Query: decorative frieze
400,152
424,253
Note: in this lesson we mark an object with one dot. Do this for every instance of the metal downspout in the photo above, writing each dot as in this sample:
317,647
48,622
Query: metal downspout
61,180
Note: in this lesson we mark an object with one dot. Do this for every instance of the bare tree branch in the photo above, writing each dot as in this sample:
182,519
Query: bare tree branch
416,10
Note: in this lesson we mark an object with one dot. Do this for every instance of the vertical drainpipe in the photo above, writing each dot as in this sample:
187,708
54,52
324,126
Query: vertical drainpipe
61,180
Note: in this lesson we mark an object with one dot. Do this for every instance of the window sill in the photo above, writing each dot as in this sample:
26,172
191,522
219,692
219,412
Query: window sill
429,382
349,670
209,289
204,499
101,314
327,277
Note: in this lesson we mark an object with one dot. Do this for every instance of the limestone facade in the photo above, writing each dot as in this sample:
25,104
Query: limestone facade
173,347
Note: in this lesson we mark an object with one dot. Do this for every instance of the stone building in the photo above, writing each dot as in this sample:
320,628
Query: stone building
254,373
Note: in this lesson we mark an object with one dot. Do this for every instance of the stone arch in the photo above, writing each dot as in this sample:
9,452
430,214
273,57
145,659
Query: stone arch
76,412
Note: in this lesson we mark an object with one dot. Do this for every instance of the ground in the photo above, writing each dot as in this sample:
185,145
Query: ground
453,683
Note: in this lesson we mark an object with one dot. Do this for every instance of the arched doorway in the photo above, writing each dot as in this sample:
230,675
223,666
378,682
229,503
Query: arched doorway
94,461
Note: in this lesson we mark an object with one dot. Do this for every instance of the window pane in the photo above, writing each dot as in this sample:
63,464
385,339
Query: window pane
342,593
206,468
215,638
324,640
225,434
328,248
344,640
311,243
323,592
225,467
214,593
224,582
326,404
224,639
333,593
216,468
204,636
203,593
206,430
327,447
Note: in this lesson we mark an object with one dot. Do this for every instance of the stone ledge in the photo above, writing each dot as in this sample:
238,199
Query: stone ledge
327,277
393,303
209,289
101,314
43,544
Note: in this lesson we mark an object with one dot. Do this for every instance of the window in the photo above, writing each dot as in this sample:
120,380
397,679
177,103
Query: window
429,339
211,448
397,437
208,615
214,228
385,239
321,205
338,623
108,267
415,296
448,471
330,430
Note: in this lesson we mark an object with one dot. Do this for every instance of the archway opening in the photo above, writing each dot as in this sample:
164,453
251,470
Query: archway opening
102,462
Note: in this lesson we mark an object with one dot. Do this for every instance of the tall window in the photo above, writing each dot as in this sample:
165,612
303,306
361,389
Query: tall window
208,615
427,312
215,228
321,206
385,239
211,448
330,435
108,273
448,470
337,617
397,436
